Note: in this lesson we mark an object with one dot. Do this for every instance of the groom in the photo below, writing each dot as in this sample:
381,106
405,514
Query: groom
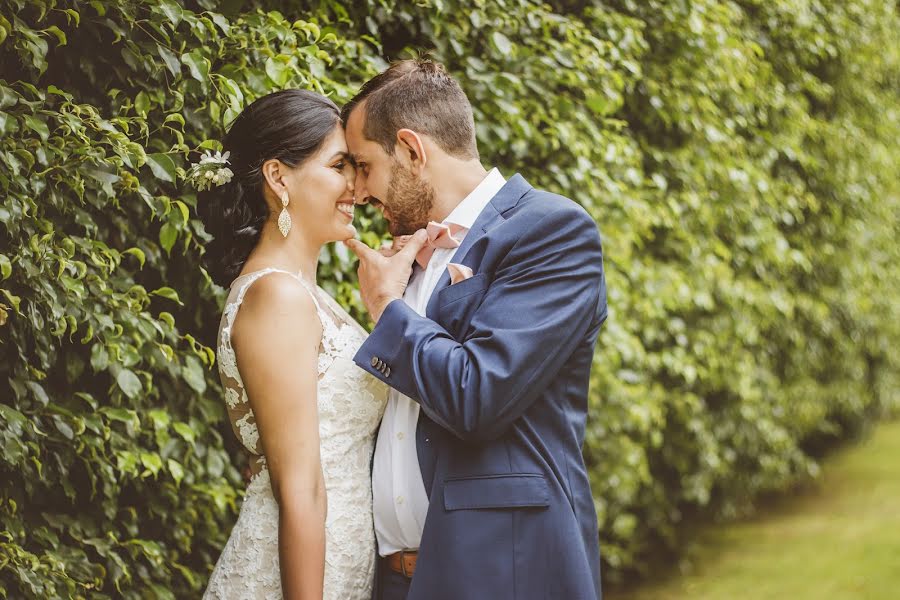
480,490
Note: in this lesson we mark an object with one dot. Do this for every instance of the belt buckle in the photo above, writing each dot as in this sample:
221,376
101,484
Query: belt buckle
403,563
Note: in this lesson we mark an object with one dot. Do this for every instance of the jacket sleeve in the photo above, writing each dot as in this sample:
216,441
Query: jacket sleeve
545,295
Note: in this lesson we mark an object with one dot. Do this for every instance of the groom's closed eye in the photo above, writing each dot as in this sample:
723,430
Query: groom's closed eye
359,163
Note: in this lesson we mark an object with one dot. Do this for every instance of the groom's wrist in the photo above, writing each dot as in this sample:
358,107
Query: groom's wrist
380,305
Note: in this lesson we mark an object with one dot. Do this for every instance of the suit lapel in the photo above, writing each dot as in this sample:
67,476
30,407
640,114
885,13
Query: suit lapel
506,198
492,214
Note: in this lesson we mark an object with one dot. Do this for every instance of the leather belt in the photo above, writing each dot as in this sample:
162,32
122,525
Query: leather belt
403,562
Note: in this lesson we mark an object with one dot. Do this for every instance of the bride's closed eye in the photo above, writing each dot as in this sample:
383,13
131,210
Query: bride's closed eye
343,164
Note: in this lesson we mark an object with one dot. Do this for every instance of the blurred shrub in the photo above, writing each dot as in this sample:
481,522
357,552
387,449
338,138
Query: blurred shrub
740,159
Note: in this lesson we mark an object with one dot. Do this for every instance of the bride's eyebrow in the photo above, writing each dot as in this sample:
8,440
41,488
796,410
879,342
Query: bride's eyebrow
344,155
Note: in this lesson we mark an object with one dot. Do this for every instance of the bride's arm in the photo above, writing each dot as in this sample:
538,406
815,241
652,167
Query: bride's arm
276,337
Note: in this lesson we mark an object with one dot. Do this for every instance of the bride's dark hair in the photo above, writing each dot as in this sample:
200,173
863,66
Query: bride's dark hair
289,125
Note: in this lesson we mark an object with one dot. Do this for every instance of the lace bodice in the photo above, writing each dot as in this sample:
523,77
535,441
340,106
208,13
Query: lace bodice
350,405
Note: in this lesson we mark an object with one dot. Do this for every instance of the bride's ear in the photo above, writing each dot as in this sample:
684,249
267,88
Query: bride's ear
274,171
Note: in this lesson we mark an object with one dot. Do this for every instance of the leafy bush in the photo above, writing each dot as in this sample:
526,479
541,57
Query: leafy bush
739,157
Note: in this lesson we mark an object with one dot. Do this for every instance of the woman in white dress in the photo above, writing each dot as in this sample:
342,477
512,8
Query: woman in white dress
299,405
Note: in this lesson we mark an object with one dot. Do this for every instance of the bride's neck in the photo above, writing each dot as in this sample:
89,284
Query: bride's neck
295,253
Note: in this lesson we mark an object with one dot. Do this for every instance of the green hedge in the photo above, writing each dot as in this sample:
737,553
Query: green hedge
740,159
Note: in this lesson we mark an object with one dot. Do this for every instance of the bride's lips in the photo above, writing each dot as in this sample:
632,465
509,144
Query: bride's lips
346,209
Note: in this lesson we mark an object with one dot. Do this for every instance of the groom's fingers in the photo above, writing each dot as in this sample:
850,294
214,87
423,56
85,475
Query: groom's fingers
362,251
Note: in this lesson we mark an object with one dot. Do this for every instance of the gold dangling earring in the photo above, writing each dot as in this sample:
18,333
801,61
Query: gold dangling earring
284,219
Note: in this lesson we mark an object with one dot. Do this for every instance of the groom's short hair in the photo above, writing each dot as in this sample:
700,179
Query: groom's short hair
419,95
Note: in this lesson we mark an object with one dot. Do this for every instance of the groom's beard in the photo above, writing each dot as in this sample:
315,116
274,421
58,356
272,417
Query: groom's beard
409,200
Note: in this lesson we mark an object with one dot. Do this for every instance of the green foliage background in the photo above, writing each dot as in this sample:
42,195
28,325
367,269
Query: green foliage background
740,158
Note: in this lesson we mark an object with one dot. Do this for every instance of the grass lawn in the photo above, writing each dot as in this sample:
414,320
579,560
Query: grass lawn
839,540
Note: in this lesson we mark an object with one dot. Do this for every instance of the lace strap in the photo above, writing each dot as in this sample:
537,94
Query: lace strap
242,291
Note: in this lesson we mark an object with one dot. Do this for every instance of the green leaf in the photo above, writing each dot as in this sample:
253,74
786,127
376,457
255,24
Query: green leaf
176,470
502,43
63,427
39,393
8,97
152,462
185,431
598,103
142,103
73,15
129,383
137,253
171,60
163,167
38,126
127,462
221,21
14,300
278,70
175,118
172,11
167,292
5,267
60,36
122,415
185,212
197,64
168,233
99,357
167,318
194,374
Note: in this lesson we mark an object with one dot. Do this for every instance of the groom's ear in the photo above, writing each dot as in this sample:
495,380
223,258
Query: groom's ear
411,149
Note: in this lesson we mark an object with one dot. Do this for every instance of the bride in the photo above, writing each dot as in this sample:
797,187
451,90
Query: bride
299,405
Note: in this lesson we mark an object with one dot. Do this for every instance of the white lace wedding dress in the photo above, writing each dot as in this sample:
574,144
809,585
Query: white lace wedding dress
350,403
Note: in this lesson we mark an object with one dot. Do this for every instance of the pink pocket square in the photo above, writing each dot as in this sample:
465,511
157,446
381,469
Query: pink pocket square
458,272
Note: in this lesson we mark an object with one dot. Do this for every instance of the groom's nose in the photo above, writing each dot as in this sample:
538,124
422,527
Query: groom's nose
362,192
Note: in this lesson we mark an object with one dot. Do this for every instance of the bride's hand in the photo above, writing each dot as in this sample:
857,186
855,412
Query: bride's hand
394,246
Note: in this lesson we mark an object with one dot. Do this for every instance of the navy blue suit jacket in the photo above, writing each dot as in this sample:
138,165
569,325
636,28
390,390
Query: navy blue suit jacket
500,366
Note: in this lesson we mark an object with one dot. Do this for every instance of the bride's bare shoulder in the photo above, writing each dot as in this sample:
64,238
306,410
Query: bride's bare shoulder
278,303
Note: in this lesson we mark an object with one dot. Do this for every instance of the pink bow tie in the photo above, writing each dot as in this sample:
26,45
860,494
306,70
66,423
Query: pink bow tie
439,236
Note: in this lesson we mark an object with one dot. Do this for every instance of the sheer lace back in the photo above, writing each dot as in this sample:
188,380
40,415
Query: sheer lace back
350,403
239,412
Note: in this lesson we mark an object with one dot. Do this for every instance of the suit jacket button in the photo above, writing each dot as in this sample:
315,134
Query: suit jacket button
387,372
375,361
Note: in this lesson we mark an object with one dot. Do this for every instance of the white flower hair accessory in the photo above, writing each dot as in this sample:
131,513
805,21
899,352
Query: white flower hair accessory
211,170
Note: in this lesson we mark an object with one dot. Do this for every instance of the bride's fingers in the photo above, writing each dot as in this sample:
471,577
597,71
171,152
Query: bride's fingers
395,245
412,246
399,242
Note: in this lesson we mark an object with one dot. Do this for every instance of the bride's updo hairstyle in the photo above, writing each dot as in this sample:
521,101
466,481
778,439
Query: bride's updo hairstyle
289,125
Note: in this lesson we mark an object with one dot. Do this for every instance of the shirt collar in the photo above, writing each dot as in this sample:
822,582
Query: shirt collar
468,210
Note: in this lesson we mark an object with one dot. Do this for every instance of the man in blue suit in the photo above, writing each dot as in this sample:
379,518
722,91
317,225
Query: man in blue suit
480,489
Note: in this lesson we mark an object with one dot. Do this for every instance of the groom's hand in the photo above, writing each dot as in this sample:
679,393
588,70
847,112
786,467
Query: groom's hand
383,279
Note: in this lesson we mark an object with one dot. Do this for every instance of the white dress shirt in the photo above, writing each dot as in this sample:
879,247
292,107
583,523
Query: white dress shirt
400,501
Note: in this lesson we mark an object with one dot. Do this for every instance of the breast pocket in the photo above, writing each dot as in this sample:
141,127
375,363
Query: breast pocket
458,302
